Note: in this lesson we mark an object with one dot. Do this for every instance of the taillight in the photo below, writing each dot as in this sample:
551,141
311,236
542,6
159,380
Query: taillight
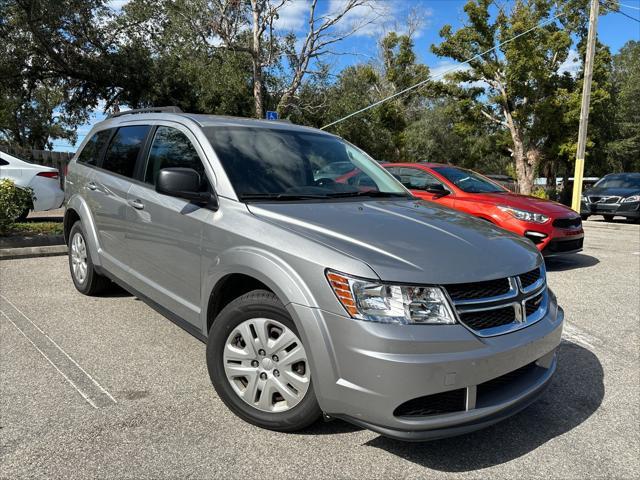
53,175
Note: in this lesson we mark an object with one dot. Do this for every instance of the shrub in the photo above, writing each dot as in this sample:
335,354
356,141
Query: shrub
540,193
13,201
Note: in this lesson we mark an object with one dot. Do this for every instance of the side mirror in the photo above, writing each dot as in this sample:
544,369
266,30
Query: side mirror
184,183
437,189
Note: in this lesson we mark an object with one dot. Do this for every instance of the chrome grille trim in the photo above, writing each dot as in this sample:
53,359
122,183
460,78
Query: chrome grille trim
605,199
516,298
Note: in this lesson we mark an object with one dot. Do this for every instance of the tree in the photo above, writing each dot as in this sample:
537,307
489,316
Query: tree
267,46
519,81
624,151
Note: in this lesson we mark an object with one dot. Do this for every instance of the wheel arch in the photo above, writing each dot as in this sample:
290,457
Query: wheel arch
77,209
244,269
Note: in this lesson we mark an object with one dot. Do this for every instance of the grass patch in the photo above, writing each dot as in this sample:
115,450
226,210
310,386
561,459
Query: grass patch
33,228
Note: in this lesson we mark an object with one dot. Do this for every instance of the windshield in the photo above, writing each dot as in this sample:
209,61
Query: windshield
274,164
468,181
619,181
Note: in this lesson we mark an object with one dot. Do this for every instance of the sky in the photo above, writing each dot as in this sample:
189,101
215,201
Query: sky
614,30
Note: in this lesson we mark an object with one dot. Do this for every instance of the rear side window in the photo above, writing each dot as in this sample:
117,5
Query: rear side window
91,152
171,148
3,162
124,149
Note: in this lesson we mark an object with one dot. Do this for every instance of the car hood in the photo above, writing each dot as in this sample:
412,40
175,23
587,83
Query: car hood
617,192
532,204
408,241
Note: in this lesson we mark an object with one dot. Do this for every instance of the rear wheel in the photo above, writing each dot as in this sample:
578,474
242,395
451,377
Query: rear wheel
83,273
259,366
608,218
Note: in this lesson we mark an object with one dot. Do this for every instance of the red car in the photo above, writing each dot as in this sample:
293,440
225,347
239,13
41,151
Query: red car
553,227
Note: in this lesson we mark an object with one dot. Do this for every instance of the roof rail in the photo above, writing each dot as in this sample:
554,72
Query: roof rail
171,109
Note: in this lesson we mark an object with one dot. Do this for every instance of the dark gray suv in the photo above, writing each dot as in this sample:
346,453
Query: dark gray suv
314,296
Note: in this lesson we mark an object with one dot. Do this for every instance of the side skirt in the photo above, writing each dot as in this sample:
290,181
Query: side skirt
179,321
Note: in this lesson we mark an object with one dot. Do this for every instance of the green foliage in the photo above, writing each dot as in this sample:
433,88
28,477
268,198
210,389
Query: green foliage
13,201
540,192
518,84
512,111
36,228
624,149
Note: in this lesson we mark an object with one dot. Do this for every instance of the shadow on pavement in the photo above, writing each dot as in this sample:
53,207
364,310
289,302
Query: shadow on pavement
575,394
570,262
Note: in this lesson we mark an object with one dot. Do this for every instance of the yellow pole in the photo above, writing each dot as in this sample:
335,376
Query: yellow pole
584,107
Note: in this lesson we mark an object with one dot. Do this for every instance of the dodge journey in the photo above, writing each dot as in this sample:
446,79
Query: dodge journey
314,297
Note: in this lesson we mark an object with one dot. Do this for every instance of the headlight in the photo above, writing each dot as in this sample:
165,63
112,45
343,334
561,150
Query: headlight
632,198
524,215
585,199
376,302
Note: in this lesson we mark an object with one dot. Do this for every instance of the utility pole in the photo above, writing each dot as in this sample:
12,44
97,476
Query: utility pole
584,108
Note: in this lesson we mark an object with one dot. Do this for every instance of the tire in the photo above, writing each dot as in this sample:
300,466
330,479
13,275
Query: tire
584,217
91,283
608,218
261,311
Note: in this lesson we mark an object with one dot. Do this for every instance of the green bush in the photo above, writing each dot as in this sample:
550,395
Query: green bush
13,201
540,193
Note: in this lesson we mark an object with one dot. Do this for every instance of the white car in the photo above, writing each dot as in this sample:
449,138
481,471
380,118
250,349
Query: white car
44,181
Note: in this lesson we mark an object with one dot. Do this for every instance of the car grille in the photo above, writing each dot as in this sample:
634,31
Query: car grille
500,306
533,304
488,318
437,404
564,246
604,199
529,278
467,291
567,222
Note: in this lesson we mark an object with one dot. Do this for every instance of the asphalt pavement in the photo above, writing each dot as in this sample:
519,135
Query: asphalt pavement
108,388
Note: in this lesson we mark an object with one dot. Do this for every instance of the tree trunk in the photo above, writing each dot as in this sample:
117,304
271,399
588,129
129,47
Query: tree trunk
526,161
257,88
256,9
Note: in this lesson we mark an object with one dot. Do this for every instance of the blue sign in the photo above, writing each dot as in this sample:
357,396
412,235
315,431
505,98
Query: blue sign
272,115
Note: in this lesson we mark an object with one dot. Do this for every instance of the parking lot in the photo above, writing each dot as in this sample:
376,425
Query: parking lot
108,388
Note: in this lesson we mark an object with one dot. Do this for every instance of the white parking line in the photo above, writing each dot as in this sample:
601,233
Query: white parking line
65,364
579,336
84,395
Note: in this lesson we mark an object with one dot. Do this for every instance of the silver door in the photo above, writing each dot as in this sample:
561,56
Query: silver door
165,233
109,187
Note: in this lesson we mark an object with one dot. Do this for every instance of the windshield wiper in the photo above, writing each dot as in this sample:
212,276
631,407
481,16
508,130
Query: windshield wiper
373,193
280,196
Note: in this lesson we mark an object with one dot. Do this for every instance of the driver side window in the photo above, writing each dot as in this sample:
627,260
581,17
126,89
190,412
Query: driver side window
171,148
415,179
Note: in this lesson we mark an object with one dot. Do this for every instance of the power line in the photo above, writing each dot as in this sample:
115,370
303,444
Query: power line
619,11
449,70
628,6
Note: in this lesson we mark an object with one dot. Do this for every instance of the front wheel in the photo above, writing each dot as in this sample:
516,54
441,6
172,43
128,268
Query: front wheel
259,366
584,217
608,218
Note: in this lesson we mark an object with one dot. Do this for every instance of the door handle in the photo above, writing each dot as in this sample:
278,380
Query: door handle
92,186
137,204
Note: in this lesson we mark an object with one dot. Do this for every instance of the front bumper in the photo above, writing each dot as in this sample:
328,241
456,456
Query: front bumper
364,371
626,209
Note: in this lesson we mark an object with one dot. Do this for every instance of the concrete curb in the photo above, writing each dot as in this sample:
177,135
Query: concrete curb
30,252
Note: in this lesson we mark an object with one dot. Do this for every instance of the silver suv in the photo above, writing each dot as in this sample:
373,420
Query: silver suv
314,294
